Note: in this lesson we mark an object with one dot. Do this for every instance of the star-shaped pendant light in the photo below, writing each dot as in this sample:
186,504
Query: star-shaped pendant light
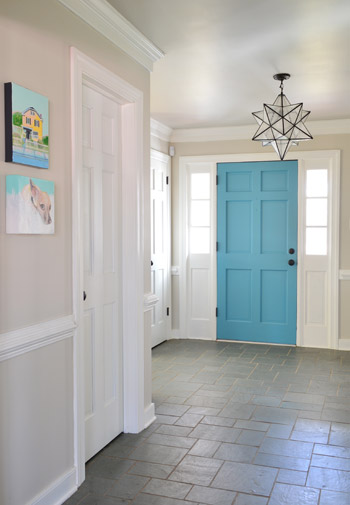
281,124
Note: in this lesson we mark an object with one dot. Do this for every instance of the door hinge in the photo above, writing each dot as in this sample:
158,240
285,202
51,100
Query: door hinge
167,179
216,312
168,311
217,180
217,246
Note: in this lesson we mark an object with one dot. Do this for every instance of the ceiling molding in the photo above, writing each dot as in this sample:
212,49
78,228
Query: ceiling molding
161,131
334,126
106,20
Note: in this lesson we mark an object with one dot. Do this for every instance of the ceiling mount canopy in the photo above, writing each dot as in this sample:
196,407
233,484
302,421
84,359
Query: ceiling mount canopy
281,124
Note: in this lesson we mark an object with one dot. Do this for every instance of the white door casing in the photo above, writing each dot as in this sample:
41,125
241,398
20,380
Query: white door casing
313,329
101,223
84,69
160,245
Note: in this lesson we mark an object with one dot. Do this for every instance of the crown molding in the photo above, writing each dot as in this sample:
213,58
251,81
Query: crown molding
161,131
334,126
106,20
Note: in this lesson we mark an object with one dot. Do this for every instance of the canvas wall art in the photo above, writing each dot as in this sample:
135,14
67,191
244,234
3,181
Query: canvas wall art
30,205
26,126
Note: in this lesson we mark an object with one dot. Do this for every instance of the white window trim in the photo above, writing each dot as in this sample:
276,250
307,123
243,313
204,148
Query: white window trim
302,157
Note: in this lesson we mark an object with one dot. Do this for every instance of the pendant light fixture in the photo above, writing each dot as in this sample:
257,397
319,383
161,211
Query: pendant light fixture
281,124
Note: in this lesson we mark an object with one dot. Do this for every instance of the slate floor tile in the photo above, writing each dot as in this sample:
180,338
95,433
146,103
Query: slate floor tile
218,433
159,454
169,440
235,452
325,478
190,420
287,462
285,494
109,468
292,477
286,448
279,431
211,496
171,409
275,415
151,499
245,499
246,478
332,450
251,437
218,421
103,500
334,498
174,430
238,410
331,462
167,488
147,469
196,470
128,486
205,448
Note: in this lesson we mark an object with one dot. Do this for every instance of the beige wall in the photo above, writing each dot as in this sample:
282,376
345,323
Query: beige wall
36,391
322,142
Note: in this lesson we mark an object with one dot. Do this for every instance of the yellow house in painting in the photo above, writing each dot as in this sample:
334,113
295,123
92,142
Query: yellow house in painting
32,124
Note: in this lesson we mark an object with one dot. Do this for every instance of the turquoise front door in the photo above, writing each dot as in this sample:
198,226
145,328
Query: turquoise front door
257,251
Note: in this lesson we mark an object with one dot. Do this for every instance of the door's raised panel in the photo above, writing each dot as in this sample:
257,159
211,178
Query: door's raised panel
238,295
159,292
108,209
87,127
159,226
110,334
274,226
199,293
89,369
239,227
238,182
316,283
108,135
87,221
158,180
276,180
274,296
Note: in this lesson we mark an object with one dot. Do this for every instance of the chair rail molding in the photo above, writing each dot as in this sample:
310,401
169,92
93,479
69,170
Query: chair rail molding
106,20
17,342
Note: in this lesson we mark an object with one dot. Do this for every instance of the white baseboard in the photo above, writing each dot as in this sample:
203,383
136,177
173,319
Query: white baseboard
58,492
149,415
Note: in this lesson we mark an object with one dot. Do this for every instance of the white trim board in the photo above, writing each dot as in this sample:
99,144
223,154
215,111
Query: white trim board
306,157
84,70
58,492
246,132
106,20
17,342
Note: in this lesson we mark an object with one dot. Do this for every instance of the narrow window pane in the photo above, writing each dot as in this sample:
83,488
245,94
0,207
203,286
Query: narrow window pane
316,212
199,241
200,186
200,213
316,183
316,241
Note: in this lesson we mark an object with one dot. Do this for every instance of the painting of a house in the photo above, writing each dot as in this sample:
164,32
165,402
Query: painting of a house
27,126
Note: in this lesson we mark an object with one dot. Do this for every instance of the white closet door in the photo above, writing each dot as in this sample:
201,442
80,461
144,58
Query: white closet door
160,244
101,213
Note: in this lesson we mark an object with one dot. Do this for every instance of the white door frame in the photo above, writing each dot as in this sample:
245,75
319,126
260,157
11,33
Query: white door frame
86,70
304,158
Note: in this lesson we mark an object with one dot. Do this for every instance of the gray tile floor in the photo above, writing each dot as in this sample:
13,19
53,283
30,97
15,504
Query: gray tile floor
238,424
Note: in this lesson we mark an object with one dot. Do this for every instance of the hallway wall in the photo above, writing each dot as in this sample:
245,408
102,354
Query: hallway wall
320,142
36,388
